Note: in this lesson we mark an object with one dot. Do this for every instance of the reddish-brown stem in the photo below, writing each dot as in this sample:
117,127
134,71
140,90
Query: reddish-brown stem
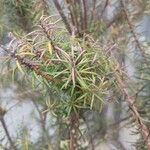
93,10
59,9
104,8
85,14
81,16
28,64
132,31
130,100
74,124
7,133
73,13
70,10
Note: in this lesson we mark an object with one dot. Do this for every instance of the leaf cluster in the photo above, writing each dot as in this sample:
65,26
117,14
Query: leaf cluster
77,68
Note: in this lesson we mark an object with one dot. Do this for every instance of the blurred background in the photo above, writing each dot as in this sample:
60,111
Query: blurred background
122,27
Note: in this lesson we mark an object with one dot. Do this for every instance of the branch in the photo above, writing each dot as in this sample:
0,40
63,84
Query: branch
93,10
132,30
74,125
85,14
28,64
59,9
73,13
81,14
130,100
2,113
104,8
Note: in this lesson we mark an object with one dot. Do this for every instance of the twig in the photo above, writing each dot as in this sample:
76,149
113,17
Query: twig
104,8
81,13
130,100
28,64
85,14
93,10
2,113
58,7
73,13
74,124
132,31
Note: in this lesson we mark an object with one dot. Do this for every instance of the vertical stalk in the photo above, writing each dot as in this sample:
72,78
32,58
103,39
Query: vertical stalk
85,14
80,14
7,133
59,9
73,8
74,124
93,11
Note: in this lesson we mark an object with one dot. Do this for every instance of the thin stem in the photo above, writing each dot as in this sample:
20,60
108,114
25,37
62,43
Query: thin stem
59,9
73,13
132,31
93,10
28,64
74,118
104,8
81,11
85,14
7,133
130,100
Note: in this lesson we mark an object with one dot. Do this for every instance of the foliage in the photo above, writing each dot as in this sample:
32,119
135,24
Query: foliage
72,66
